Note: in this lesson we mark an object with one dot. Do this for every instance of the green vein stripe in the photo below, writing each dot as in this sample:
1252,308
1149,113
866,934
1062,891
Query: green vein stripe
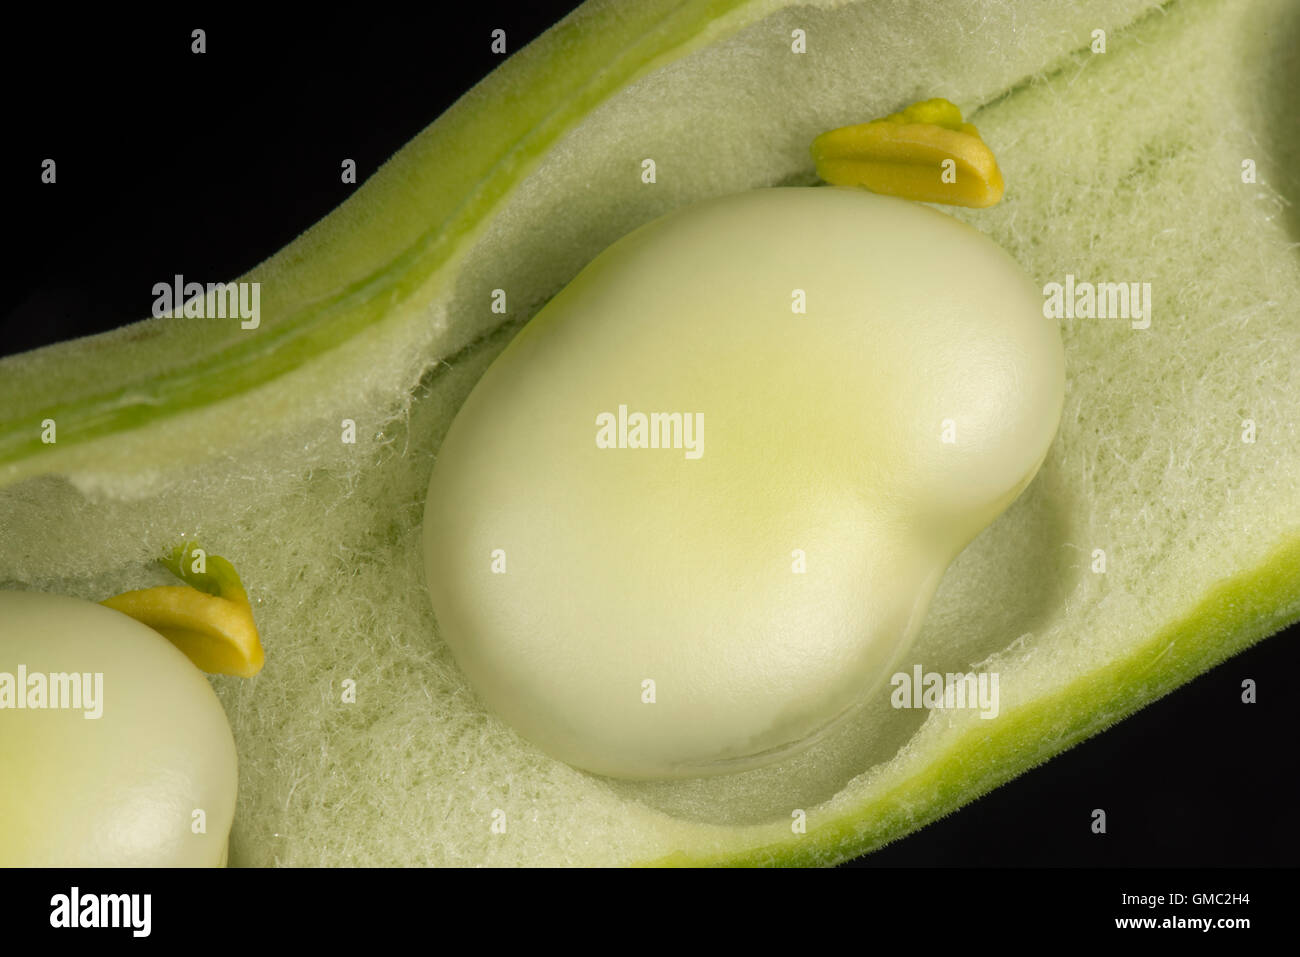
627,48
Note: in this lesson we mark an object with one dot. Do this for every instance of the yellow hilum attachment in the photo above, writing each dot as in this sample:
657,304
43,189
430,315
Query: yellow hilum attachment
208,618
924,153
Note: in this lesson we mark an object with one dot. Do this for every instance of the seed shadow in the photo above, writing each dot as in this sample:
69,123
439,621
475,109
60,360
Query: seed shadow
1282,128
1017,572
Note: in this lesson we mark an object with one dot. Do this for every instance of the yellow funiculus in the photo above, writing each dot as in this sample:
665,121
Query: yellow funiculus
924,152
209,618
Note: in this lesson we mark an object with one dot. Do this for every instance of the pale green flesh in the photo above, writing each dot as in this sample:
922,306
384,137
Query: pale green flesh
1201,531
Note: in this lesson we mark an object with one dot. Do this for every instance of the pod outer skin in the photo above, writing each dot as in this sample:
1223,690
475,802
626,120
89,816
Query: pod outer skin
119,790
874,434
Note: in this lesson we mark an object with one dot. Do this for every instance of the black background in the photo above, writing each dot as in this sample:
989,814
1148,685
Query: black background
205,165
